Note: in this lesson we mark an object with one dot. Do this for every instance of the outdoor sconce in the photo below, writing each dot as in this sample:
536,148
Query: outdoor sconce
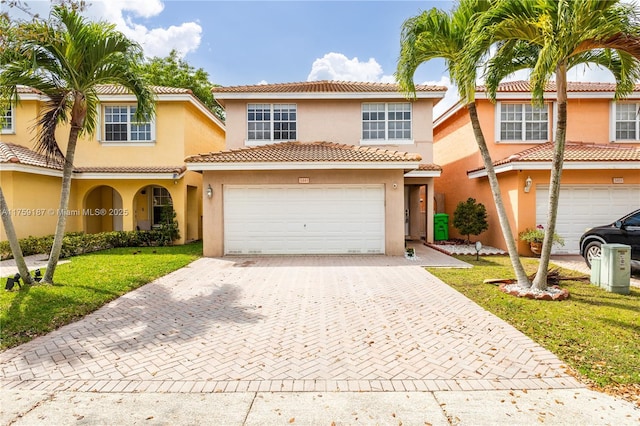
527,184
209,191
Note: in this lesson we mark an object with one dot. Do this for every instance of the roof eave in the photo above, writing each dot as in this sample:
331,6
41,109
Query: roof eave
567,165
222,96
310,165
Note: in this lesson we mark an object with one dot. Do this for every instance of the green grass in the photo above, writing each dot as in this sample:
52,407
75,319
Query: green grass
595,332
82,286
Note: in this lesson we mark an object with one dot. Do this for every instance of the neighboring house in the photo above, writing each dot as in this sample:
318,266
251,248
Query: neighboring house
601,173
123,175
321,167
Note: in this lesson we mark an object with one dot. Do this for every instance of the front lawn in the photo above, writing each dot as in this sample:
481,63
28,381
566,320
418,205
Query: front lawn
84,285
595,332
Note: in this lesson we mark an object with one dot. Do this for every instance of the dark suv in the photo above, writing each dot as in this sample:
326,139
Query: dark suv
625,230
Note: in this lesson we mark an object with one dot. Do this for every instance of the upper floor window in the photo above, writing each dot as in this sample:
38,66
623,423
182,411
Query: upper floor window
523,122
271,122
383,122
627,121
7,120
120,125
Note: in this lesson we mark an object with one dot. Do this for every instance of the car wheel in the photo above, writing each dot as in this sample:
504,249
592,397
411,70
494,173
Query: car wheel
592,250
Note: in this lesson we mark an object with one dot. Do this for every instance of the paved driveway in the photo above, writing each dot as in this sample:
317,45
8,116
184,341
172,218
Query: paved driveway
286,324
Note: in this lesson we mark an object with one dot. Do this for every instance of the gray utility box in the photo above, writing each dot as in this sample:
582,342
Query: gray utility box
615,268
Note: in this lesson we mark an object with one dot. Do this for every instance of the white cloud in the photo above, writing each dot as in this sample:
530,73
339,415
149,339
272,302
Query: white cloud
184,37
336,66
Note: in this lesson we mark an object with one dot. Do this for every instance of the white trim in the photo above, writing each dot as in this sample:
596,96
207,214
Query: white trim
423,173
613,121
128,175
123,143
259,96
523,140
568,165
12,129
27,168
128,142
366,142
316,165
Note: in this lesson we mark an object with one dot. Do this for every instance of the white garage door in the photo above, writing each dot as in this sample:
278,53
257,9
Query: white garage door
304,219
582,207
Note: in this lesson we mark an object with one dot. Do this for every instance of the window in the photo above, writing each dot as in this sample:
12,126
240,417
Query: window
271,122
120,125
523,122
161,199
6,120
386,122
627,121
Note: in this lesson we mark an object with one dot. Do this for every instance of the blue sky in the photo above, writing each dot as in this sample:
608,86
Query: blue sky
250,42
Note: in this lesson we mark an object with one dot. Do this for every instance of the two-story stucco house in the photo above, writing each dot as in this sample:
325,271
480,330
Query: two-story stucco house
124,174
322,167
601,173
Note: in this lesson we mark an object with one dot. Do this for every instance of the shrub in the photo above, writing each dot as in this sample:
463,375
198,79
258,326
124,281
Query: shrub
75,243
470,218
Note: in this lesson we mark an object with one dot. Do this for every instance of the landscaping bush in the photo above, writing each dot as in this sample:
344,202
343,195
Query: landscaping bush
75,243
470,218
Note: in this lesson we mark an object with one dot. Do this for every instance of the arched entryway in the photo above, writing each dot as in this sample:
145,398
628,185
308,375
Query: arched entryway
103,210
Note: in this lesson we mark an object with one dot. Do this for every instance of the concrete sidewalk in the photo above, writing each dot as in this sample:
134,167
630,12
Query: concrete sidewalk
478,408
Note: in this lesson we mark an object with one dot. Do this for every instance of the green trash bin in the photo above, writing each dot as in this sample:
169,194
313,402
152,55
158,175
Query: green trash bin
441,226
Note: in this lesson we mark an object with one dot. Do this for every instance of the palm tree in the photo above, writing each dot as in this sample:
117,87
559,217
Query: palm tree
13,240
437,34
550,37
66,58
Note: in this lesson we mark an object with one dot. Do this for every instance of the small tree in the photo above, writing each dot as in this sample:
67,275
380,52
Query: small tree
470,218
169,230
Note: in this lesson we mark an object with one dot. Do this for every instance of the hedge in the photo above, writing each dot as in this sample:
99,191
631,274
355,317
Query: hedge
75,243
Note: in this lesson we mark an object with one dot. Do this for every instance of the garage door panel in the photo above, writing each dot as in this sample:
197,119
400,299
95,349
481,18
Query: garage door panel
582,207
310,219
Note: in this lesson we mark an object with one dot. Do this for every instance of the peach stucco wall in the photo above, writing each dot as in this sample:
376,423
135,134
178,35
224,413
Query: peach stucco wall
455,149
213,220
336,121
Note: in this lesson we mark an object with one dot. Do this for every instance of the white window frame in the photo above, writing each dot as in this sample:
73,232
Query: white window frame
271,122
102,137
11,128
523,132
386,121
613,121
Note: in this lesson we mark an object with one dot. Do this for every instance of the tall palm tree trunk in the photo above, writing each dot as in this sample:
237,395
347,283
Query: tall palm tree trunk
540,281
64,205
521,276
16,250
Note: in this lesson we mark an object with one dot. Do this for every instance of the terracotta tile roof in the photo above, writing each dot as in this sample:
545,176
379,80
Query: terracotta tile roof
141,169
572,86
430,167
287,152
574,152
25,89
324,86
18,154
112,89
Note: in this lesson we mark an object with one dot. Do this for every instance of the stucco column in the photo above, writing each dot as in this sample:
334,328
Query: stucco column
430,196
212,220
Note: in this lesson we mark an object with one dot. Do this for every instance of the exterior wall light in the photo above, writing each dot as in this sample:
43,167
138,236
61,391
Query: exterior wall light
209,191
527,184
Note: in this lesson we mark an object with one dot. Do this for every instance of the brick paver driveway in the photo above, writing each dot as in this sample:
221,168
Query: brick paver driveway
286,324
